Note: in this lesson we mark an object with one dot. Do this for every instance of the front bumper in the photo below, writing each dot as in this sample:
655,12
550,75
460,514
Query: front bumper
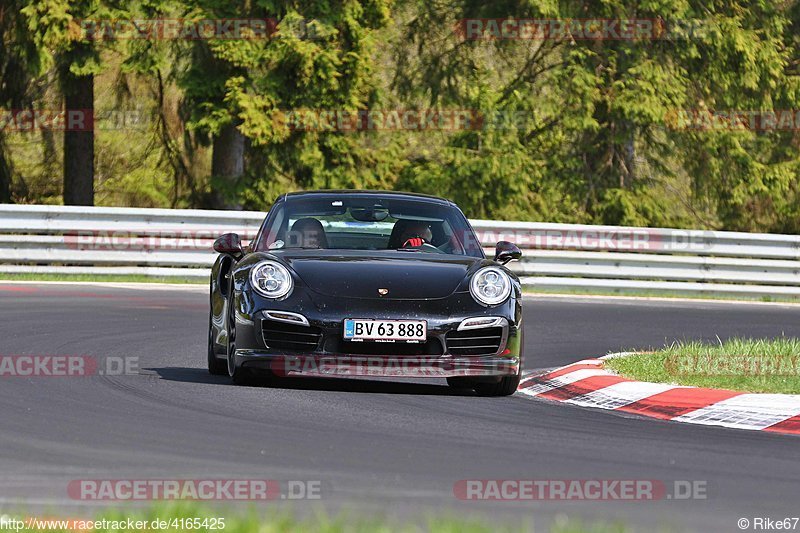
327,354
377,366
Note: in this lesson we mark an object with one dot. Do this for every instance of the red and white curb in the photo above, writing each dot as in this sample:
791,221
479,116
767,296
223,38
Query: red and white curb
587,384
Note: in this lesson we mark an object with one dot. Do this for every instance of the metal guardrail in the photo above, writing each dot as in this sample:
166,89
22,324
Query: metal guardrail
559,257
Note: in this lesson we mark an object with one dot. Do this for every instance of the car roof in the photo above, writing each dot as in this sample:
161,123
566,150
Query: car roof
363,192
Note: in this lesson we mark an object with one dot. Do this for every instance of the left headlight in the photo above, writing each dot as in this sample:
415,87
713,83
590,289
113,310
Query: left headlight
490,286
271,279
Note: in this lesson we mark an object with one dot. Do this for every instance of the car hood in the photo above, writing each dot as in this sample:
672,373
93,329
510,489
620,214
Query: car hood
405,275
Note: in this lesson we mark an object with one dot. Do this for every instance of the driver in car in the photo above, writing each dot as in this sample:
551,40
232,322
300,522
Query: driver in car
416,235
307,233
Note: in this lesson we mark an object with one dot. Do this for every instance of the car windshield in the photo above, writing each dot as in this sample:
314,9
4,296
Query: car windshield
368,223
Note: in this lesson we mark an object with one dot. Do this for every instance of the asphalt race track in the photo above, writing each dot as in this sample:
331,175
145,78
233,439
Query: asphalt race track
393,448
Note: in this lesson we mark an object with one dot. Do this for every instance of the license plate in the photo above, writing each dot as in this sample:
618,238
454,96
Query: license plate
357,329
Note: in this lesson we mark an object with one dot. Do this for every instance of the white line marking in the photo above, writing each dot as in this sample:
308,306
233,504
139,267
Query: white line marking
560,381
746,411
617,354
619,394
596,362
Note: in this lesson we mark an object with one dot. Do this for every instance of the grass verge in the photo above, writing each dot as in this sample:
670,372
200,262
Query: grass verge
189,516
750,365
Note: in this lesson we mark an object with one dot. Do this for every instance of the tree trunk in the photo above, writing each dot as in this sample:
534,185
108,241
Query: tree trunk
79,140
5,181
628,175
5,175
227,166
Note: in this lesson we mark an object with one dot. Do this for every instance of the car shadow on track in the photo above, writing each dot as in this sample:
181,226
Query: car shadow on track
365,385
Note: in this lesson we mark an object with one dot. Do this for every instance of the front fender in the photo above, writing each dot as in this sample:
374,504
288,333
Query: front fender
219,294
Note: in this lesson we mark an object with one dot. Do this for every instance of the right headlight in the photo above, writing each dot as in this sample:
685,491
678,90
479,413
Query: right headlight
271,279
490,286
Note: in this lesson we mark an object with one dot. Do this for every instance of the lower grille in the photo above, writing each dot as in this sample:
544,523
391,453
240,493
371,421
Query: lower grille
293,337
480,341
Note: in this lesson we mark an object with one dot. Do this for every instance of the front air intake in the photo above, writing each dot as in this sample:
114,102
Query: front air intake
480,341
292,337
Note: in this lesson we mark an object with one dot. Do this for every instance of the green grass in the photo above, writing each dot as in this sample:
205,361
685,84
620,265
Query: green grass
266,520
90,278
658,294
751,365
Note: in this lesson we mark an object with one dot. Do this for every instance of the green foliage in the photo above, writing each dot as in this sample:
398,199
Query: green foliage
586,133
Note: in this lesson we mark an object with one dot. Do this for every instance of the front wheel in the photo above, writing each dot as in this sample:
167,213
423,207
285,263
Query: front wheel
460,383
505,387
239,375
216,366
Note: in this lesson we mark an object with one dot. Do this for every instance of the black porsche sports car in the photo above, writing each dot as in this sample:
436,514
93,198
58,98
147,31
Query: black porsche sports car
366,283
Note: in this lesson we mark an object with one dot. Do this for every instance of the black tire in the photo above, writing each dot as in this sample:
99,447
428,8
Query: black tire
460,383
505,387
216,366
238,375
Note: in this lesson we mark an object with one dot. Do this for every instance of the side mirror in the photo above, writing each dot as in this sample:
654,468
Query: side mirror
229,243
506,251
